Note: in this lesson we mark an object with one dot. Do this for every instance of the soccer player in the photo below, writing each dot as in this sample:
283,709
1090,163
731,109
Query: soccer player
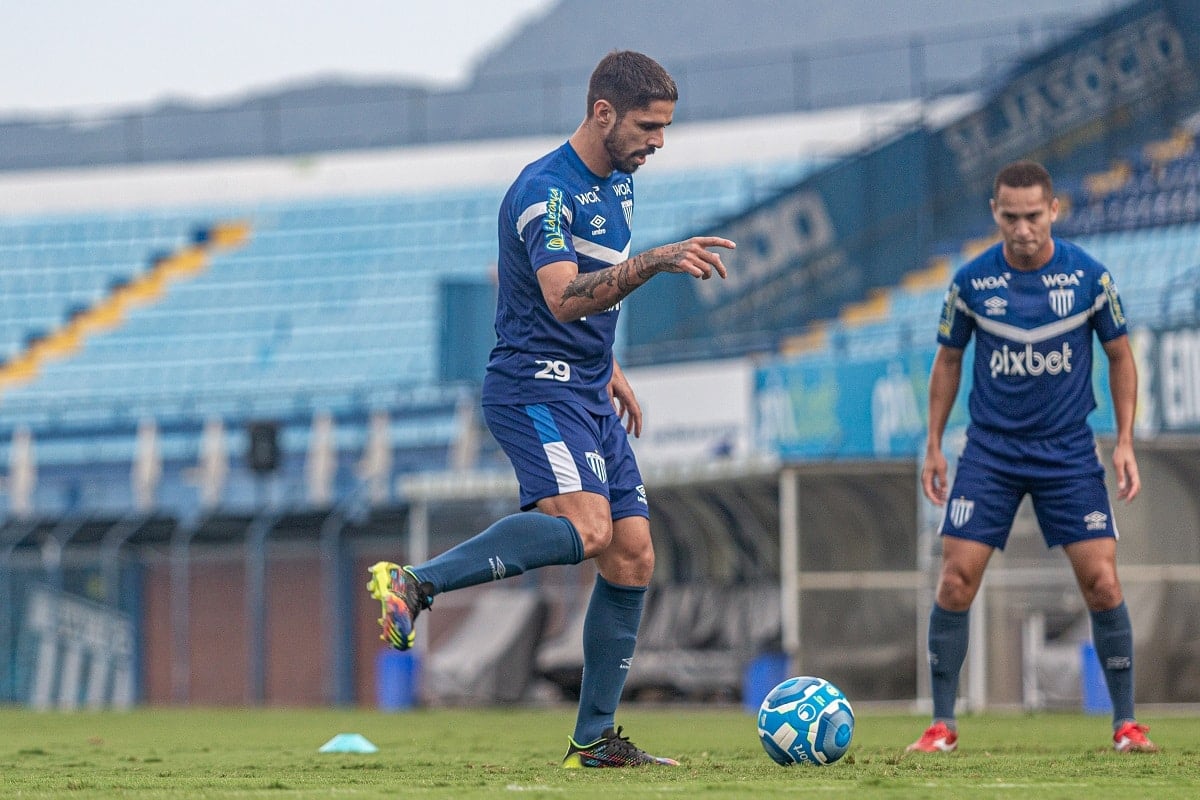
1033,303
556,400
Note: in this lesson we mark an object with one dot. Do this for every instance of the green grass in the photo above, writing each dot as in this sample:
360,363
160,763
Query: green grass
491,753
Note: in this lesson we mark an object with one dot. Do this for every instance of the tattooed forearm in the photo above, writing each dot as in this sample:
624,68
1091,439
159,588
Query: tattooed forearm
624,277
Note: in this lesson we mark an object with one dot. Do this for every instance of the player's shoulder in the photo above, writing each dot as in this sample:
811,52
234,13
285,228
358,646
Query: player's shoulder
1078,258
544,182
1083,266
556,168
988,264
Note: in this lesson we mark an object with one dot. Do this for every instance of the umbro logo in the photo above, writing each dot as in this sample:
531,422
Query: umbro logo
597,223
498,568
996,306
1096,521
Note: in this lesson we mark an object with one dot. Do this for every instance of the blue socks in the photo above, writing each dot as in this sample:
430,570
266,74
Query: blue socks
509,547
1112,634
948,633
609,635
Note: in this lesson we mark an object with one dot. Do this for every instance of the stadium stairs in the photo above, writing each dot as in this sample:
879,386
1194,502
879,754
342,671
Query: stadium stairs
67,339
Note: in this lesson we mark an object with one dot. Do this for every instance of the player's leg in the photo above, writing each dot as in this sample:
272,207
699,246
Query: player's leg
1075,513
548,446
610,632
614,614
976,522
963,565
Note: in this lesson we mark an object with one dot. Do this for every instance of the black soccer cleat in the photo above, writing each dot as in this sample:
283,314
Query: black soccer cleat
611,750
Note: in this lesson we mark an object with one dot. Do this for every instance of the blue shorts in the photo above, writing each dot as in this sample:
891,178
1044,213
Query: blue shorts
561,447
983,503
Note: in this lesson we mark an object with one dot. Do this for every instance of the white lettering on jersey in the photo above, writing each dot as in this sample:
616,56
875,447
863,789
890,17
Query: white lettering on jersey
990,282
1030,362
1060,279
552,370
590,196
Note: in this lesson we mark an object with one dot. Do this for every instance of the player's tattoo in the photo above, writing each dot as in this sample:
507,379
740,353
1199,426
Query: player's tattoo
626,276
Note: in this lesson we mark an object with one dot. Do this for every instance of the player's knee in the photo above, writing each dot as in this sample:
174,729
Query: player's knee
955,590
596,535
1102,593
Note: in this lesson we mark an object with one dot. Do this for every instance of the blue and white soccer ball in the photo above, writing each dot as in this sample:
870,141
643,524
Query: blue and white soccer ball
805,721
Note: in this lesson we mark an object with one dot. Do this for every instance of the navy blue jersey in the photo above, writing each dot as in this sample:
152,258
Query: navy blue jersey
1033,349
556,210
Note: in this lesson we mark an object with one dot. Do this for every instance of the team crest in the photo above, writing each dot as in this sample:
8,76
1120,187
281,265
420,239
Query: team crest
961,510
627,210
596,462
1062,301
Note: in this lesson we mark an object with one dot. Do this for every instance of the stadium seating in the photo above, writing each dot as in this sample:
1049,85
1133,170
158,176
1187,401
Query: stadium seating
330,303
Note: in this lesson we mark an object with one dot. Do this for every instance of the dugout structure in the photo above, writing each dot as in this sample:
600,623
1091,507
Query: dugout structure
843,556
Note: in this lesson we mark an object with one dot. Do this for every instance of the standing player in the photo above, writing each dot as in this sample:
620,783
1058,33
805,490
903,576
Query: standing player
556,400
1033,304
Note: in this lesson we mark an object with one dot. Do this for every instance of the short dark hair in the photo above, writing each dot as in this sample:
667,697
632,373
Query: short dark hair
629,80
1020,174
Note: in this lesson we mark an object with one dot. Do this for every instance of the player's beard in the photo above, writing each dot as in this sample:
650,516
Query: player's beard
620,160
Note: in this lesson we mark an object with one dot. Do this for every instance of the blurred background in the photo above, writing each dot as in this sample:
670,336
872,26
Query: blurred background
247,262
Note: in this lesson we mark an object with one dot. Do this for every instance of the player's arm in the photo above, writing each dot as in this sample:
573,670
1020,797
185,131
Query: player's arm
944,379
625,401
1122,383
572,295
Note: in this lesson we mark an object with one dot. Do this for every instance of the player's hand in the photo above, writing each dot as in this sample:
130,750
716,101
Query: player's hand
933,477
1125,465
625,402
693,257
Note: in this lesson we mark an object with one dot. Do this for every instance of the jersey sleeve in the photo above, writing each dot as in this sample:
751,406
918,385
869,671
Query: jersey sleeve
544,223
956,325
1109,319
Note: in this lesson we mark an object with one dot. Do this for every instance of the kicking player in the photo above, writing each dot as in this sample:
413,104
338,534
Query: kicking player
556,400
1033,304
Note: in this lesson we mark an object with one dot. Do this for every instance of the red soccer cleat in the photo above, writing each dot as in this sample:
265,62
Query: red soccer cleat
1131,738
937,738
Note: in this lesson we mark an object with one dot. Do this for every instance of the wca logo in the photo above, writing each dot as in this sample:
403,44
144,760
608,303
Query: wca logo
1030,362
1060,279
990,282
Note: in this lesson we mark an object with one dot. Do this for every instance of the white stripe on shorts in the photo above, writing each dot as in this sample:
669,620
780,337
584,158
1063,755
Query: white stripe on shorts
563,466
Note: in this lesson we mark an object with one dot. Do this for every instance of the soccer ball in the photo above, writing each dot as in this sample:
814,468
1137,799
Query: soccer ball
805,721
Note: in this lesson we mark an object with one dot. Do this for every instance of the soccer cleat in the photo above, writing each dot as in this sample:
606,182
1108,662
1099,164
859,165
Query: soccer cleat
937,738
402,597
610,750
1131,738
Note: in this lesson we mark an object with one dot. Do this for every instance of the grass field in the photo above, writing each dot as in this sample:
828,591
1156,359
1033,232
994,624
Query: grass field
491,753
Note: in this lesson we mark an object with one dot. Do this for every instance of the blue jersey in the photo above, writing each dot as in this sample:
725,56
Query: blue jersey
1032,371
556,210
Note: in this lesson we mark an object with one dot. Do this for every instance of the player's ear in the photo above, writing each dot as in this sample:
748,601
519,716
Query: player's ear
1053,209
604,113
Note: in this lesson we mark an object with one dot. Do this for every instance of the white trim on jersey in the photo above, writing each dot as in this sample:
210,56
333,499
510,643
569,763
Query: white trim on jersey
538,210
1033,335
566,474
600,252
